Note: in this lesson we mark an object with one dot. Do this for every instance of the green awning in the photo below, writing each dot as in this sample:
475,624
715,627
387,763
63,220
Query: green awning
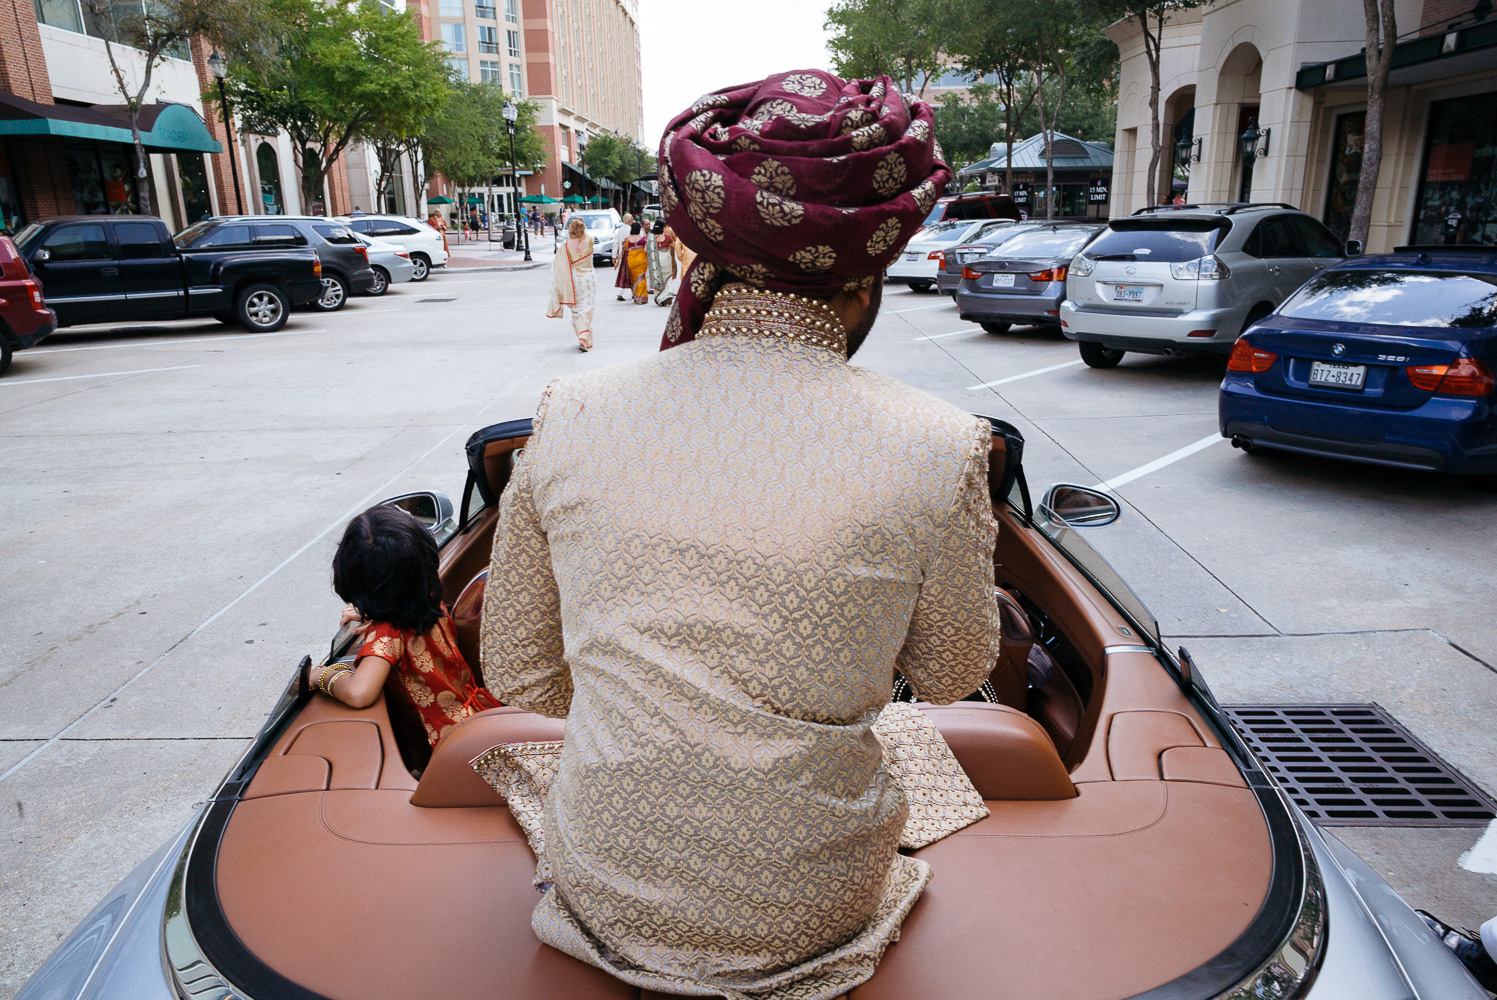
597,199
163,127
539,199
574,199
440,199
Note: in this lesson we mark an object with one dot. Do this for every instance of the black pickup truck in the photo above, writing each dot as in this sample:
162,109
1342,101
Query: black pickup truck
125,268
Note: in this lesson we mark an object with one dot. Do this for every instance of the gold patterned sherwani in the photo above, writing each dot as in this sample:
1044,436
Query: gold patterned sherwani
711,562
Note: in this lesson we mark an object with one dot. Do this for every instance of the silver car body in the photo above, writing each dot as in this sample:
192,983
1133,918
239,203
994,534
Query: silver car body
1196,278
920,261
394,260
410,234
949,278
1017,281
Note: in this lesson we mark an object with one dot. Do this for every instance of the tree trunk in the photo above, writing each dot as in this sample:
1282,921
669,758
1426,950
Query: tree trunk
142,178
1382,35
1152,44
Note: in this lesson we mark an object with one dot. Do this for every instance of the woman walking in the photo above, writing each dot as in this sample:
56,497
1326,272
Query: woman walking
634,265
661,262
575,284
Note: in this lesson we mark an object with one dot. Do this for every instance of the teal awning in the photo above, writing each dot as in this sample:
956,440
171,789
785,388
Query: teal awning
163,127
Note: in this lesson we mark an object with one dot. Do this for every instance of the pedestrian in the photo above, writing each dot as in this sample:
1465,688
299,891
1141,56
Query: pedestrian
386,569
660,262
620,234
435,221
635,266
473,221
574,284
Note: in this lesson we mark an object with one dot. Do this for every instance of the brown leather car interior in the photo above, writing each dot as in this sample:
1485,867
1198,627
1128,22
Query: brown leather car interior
1123,849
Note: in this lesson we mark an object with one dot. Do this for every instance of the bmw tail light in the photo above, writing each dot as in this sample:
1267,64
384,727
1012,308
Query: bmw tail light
1463,377
35,291
1247,358
1049,274
970,274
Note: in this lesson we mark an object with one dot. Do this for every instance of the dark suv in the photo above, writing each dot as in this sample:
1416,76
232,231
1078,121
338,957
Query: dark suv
345,262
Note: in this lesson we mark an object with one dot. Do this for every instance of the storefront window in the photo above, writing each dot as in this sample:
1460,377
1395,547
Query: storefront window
195,203
103,176
270,180
11,218
1457,200
1346,170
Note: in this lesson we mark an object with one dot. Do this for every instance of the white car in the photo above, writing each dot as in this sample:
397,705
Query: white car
600,225
920,262
423,242
390,262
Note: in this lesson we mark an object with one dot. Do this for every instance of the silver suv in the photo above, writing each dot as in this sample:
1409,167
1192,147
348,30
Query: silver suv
1189,278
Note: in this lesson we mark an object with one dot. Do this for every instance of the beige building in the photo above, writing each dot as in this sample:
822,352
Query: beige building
1292,73
578,59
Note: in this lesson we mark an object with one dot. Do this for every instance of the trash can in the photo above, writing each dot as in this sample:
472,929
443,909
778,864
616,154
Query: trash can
508,236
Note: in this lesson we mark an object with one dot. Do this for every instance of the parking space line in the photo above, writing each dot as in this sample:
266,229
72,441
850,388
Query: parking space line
171,343
900,312
1159,463
69,378
943,336
1015,378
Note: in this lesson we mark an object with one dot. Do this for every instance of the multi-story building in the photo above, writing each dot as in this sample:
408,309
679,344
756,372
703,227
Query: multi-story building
1265,100
578,59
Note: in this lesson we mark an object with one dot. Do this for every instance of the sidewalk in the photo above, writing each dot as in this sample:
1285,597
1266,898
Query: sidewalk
484,255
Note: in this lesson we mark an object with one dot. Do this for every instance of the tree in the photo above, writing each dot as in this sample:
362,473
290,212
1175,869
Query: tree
908,40
967,123
619,159
1382,36
159,28
1153,36
333,74
991,47
468,139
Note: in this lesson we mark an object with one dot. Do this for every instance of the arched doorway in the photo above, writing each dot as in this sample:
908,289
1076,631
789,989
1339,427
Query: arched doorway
1177,133
1239,85
269,168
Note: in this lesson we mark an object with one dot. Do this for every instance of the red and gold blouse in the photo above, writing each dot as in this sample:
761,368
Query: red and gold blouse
429,672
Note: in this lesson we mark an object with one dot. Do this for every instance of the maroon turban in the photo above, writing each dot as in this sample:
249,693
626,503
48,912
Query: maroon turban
800,183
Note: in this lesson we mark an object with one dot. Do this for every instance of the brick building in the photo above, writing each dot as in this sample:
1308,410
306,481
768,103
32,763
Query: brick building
578,59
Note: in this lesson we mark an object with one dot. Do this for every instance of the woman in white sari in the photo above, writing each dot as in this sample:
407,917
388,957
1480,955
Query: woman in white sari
574,283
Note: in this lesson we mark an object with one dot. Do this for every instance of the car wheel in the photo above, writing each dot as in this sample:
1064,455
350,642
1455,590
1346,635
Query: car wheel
5,355
334,293
381,282
921,286
1097,356
996,327
262,308
421,267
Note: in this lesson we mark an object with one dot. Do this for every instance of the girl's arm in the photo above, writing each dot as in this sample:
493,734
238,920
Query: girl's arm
360,688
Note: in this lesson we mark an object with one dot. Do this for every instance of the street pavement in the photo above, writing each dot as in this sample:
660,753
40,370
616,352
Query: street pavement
174,494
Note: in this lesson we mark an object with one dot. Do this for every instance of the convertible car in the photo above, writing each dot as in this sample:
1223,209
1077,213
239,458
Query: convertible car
1135,847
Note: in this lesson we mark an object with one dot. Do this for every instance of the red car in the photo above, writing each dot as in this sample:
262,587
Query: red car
24,316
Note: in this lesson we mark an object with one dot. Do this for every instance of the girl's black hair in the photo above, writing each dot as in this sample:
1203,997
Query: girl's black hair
634,229
659,227
386,567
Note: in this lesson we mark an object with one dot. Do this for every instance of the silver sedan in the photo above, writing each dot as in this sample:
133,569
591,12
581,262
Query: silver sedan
391,264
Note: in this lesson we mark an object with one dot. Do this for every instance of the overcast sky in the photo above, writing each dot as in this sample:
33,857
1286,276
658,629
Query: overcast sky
690,47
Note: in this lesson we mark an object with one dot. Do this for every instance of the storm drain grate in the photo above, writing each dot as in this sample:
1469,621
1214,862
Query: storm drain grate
453,299
1353,765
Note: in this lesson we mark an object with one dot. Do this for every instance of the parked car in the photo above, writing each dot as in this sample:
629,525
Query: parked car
953,259
1386,359
1189,279
345,262
920,262
1024,279
124,268
24,316
342,857
600,226
976,205
422,241
390,262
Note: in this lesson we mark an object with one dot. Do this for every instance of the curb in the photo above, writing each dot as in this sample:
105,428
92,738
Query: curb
497,267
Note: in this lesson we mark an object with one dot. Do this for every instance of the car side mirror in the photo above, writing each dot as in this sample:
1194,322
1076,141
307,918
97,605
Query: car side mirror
43,255
1081,506
1353,248
433,510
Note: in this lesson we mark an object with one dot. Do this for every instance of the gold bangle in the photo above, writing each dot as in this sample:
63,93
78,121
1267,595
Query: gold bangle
334,679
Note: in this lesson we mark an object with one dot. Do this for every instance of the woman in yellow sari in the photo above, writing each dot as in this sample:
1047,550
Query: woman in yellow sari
575,285
634,265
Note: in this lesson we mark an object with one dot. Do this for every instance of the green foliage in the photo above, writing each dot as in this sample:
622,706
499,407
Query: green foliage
327,74
909,40
468,139
618,159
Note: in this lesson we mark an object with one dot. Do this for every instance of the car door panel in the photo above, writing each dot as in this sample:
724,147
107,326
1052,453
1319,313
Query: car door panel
80,276
150,271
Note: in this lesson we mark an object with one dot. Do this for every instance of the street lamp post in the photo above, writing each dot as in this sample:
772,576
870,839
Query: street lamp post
219,67
511,115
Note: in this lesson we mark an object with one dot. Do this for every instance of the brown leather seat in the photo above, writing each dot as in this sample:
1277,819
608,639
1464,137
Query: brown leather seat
467,616
449,779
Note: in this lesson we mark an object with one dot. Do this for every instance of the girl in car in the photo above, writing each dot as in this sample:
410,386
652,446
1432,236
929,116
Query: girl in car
386,569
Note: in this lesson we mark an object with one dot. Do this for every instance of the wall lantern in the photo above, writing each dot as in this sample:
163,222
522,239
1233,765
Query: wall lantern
1188,151
1248,142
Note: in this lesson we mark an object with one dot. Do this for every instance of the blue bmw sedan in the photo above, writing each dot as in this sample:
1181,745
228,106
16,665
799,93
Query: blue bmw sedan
1385,359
